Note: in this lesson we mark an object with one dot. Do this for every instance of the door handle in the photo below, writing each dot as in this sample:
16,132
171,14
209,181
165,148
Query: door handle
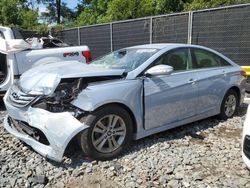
192,81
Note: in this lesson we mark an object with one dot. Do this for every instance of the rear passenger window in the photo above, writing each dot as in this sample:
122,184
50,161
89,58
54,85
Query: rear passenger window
205,59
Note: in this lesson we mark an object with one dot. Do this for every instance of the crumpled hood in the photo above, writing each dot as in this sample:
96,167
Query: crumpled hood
45,78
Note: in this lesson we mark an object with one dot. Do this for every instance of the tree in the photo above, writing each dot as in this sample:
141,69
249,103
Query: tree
129,9
54,11
93,11
24,14
17,13
10,12
57,12
29,19
201,4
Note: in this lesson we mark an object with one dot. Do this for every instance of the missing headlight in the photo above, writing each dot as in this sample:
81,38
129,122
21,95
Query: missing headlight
58,107
68,89
65,92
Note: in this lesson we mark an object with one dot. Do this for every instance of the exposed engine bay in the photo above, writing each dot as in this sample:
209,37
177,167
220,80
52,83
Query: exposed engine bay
67,90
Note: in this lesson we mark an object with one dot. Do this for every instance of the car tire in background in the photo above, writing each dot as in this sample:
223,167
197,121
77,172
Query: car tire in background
229,105
109,134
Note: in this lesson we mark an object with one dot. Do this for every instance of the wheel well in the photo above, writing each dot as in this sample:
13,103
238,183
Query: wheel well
128,110
72,145
237,90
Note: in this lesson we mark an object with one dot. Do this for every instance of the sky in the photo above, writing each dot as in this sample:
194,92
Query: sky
70,3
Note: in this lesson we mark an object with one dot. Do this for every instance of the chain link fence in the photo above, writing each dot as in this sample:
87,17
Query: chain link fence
130,33
97,38
225,29
69,36
170,28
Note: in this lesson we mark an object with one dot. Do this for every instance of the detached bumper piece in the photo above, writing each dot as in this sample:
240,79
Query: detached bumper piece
246,146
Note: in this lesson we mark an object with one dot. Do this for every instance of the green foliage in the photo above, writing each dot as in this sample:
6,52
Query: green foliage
10,12
22,13
29,19
86,17
58,12
17,13
42,29
202,4
58,27
129,9
93,11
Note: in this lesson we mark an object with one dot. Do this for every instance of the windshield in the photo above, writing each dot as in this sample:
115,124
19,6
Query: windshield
128,59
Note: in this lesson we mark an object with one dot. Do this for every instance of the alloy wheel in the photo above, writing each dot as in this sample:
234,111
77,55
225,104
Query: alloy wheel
230,105
108,133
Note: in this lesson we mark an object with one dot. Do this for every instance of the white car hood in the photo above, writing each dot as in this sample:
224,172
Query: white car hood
49,75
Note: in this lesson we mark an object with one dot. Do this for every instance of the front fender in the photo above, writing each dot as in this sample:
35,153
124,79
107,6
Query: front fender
126,92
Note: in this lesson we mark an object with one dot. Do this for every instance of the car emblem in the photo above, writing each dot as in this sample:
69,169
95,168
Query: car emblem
15,95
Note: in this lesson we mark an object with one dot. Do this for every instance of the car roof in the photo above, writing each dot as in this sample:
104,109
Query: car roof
163,45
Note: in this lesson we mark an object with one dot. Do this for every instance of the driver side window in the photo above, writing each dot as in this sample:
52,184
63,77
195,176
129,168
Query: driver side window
179,59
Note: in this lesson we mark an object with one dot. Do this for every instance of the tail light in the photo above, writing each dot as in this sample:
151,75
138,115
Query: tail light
87,55
243,73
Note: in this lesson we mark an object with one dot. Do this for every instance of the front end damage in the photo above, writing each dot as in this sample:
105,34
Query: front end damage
46,132
42,112
45,106
45,122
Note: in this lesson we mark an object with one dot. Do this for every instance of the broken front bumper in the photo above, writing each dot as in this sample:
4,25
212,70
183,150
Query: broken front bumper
58,128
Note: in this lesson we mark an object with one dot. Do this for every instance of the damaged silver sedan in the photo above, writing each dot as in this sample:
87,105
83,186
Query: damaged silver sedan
128,94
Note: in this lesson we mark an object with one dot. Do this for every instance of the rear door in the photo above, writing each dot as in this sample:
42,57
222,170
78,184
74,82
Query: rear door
212,79
170,98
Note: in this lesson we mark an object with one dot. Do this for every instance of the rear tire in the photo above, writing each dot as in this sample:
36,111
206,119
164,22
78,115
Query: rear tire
109,134
229,104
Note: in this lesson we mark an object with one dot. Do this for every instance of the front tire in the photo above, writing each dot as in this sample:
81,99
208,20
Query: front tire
229,105
109,134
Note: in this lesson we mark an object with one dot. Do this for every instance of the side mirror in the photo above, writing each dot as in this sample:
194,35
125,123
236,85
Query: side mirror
159,70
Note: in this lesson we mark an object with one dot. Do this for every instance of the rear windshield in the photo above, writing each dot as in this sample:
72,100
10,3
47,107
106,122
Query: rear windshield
16,33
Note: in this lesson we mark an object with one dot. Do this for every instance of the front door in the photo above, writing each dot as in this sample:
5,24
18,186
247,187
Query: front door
170,98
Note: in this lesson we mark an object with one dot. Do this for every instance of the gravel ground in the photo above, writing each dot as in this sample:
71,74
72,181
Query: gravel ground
206,153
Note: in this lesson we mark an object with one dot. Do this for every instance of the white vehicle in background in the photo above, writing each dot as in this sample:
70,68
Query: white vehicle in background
246,139
16,57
